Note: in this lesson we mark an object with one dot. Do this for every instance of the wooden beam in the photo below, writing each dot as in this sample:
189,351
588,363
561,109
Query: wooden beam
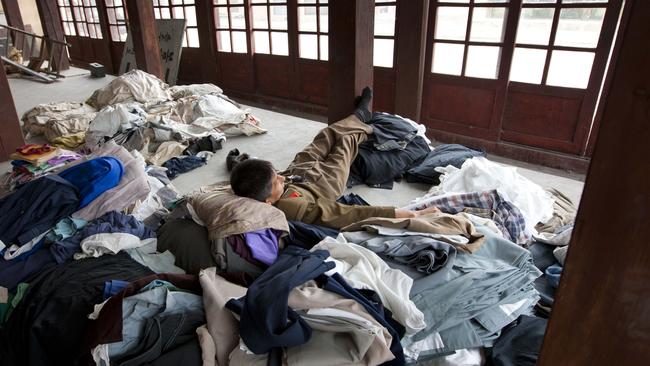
410,55
10,135
48,11
12,13
351,30
144,32
601,314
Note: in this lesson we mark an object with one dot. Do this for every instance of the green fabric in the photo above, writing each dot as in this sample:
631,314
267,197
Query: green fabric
12,302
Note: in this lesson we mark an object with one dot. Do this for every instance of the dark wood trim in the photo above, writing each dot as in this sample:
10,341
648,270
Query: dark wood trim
12,14
600,315
10,135
207,39
351,30
515,151
48,11
551,41
607,84
144,32
410,56
283,105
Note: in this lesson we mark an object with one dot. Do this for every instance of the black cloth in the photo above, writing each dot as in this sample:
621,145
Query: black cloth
443,155
519,345
48,325
266,321
180,165
352,199
543,258
189,243
307,235
207,143
35,207
234,157
337,285
380,168
163,335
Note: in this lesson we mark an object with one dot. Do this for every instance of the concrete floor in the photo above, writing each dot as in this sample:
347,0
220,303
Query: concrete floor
287,134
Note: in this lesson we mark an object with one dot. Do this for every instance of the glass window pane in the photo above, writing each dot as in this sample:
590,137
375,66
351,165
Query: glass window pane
490,1
447,58
456,1
280,43
178,13
260,17
308,46
114,34
190,16
223,41
527,65
324,19
221,18
385,20
124,32
306,1
579,27
482,62
451,23
220,2
239,42
177,2
538,1
119,13
535,26
583,1
165,13
261,39
488,24
236,2
307,19
193,37
570,69
237,18
383,52
324,48
279,17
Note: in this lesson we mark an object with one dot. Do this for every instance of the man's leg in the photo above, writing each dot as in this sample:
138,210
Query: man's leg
325,163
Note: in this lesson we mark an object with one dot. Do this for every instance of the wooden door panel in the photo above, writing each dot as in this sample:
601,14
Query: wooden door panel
236,71
383,90
274,75
549,117
458,108
313,82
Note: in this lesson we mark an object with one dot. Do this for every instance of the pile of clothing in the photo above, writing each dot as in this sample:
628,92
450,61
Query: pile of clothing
32,161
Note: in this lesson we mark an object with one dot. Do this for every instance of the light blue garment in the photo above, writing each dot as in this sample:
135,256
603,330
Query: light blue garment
138,308
477,302
64,229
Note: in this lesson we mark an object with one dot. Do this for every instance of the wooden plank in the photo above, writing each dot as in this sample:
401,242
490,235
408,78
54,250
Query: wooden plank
26,70
410,57
601,314
143,30
351,30
48,11
10,135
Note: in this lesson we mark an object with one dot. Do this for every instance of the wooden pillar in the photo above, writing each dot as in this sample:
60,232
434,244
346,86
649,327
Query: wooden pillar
12,13
106,33
601,314
206,38
410,57
10,135
48,11
351,29
144,32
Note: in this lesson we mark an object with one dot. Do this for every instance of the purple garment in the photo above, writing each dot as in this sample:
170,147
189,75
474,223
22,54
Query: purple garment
263,245
63,158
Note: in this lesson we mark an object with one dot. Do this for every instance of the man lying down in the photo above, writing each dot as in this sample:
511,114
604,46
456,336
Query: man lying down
323,167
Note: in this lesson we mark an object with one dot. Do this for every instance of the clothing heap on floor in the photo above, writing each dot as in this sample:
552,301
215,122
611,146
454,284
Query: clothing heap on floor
103,262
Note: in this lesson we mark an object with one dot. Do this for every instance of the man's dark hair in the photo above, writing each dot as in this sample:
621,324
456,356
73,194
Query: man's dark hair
253,178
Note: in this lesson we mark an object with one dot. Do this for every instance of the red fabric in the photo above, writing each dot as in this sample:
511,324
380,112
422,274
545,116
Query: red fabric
34,149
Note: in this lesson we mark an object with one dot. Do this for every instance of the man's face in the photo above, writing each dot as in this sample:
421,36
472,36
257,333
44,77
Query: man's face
278,189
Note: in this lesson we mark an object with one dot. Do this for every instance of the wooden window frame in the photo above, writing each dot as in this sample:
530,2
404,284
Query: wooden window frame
318,33
171,6
114,27
269,29
379,3
245,5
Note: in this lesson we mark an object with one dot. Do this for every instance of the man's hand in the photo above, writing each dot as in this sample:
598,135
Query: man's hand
406,214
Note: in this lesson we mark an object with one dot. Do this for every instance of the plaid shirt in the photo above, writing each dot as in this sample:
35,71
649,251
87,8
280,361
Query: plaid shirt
488,204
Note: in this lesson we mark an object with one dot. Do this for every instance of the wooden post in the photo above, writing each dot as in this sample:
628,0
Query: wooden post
12,13
351,30
10,135
410,57
601,314
106,33
144,32
48,11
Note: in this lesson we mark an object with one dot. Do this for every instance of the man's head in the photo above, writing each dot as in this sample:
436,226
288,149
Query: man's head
257,179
